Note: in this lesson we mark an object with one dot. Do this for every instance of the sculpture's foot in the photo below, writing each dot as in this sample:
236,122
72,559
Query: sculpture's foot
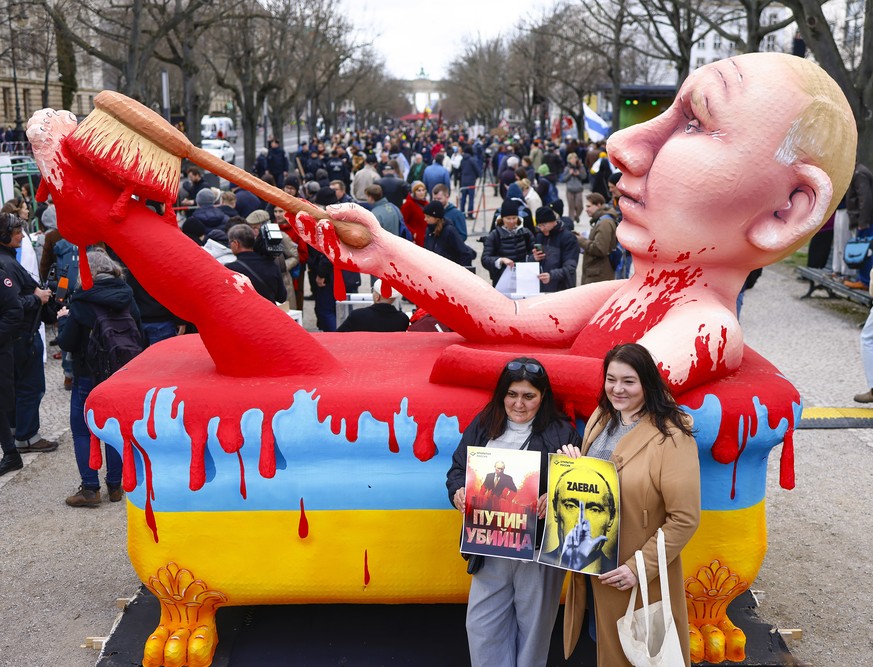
46,130
186,635
712,643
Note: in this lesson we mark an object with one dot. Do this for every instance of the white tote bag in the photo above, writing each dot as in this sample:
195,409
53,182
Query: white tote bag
648,635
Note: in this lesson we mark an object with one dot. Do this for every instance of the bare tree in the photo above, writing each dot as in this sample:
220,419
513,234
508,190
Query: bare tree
475,85
243,57
181,49
852,70
121,33
672,27
743,22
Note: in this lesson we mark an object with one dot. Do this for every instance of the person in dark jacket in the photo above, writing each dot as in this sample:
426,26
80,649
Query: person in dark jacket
394,189
508,243
381,316
277,162
262,270
470,172
556,250
442,238
112,293
513,604
11,315
207,213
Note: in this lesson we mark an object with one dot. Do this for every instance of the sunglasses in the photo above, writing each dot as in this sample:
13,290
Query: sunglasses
530,367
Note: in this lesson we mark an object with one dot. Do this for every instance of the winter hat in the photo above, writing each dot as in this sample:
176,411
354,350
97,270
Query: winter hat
435,209
377,289
206,197
325,197
543,169
193,228
509,208
544,214
371,158
49,218
557,206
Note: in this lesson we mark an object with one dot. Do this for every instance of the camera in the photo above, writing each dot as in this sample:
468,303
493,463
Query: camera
271,238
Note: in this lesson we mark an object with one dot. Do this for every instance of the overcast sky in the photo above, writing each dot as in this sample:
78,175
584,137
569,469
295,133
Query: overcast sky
412,34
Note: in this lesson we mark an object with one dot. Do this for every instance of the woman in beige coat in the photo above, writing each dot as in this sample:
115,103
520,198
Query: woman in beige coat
638,427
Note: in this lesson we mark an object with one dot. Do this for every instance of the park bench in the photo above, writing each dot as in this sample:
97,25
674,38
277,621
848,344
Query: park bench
821,279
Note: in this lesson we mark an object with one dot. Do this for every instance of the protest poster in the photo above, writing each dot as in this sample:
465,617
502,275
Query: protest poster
582,518
500,517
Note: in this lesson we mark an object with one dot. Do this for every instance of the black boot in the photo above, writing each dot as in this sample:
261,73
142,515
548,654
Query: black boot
10,462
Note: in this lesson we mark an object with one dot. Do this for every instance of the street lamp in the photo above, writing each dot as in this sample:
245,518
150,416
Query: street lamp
18,132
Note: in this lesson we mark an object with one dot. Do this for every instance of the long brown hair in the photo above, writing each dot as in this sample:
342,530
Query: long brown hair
658,402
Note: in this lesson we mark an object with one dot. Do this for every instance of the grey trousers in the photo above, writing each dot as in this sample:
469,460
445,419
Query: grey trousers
511,613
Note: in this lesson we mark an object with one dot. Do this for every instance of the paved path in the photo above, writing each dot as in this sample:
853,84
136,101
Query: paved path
63,568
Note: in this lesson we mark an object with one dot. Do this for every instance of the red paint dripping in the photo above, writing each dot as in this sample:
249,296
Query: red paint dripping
149,491
197,433
230,435
85,268
366,569
392,437
150,420
339,285
242,475
95,460
385,289
741,448
128,466
786,462
303,524
267,462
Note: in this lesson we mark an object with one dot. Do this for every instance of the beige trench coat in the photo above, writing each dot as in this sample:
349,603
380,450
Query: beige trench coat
659,486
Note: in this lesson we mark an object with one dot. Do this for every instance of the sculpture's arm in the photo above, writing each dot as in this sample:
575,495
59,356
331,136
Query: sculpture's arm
452,294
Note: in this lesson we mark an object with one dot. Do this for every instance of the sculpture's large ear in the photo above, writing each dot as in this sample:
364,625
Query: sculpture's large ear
801,214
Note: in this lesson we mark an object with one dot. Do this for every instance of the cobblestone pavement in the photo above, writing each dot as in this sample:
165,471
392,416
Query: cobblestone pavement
63,568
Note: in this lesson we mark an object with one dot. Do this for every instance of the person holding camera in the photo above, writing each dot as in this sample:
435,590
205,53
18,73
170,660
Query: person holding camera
556,250
260,268
27,371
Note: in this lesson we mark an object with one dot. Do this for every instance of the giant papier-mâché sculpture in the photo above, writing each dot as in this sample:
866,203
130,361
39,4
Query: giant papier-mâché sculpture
267,465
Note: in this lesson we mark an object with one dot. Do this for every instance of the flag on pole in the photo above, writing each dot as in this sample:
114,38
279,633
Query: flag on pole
595,126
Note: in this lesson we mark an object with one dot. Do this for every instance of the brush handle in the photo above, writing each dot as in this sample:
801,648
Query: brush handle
355,236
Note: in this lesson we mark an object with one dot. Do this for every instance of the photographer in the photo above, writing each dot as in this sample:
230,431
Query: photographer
259,267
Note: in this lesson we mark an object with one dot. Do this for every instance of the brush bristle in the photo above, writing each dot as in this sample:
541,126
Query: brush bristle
105,141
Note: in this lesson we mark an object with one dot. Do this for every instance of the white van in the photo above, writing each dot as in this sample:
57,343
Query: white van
217,127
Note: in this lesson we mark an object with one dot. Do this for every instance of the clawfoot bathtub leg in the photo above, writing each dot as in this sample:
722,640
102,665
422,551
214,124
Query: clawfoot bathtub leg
186,633
714,637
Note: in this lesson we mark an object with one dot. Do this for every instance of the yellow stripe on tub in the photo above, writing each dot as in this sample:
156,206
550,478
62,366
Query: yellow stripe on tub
259,558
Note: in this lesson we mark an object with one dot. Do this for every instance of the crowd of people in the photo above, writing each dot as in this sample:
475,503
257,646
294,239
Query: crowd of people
421,184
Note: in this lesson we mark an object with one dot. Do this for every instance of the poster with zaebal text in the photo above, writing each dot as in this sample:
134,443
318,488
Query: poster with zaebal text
582,516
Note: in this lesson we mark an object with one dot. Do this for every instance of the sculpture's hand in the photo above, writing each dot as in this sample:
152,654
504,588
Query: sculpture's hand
355,241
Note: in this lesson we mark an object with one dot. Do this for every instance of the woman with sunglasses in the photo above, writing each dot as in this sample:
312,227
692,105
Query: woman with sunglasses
638,427
512,604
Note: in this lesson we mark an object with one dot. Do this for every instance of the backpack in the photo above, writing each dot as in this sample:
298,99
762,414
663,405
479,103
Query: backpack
115,339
